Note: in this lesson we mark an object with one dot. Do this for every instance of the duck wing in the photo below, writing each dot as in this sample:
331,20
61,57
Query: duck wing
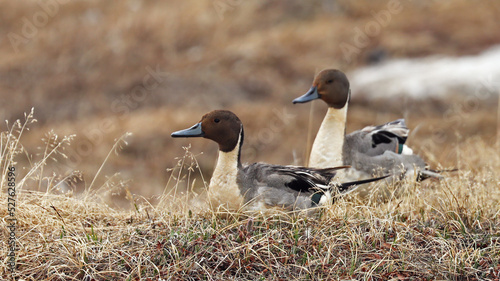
293,187
375,140
298,179
304,179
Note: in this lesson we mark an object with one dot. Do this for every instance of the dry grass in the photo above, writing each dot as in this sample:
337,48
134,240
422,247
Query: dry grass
438,230
101,215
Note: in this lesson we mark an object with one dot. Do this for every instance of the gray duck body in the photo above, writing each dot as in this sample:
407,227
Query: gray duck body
372,150
260,186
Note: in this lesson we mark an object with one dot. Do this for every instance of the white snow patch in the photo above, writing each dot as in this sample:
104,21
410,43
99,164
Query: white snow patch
431,76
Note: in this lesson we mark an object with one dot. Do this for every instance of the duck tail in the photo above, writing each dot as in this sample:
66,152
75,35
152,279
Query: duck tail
430,173
348,187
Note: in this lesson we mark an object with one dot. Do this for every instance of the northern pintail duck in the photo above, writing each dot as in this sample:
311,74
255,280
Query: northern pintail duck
260,186
367,150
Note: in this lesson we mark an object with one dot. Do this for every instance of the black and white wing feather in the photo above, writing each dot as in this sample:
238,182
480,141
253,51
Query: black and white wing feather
386,137
292,186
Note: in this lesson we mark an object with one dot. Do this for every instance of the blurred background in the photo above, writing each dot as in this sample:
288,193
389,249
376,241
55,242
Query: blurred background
99,69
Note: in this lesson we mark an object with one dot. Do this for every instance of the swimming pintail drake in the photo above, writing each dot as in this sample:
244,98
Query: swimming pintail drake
260,186
368,150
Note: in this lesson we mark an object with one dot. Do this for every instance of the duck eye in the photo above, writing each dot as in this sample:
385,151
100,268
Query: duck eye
329,81
216,120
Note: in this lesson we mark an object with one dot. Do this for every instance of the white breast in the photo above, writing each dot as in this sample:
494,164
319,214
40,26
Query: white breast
327,147
223,189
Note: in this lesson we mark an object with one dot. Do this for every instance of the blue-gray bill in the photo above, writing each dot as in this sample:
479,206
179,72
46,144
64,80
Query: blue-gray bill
312,94
192,132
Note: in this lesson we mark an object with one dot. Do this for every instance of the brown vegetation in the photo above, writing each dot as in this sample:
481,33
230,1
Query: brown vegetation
86,70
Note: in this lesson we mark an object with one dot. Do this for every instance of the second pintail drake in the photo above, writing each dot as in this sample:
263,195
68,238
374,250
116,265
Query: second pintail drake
260,186
368,150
